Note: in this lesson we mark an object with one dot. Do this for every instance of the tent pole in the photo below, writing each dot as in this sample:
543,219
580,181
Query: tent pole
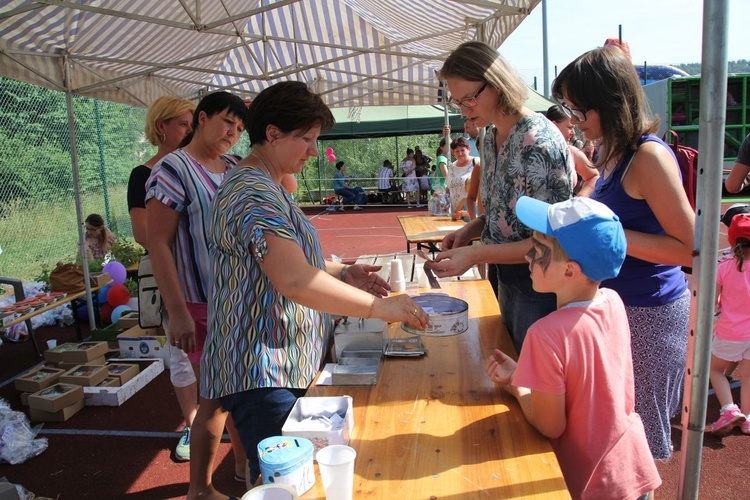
713,93
77,191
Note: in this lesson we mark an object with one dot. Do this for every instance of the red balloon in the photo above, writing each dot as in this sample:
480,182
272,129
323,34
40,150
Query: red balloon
118,295
106,312
329,150
332,158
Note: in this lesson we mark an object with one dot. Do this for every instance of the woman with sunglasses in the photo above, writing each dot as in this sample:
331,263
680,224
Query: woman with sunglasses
523,154
640,182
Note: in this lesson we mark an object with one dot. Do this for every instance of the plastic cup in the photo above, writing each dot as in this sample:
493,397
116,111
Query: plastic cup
398,283
271,492
51,343
336,464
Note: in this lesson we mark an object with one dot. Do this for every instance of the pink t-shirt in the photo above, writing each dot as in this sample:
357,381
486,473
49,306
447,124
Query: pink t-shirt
583,351
734,320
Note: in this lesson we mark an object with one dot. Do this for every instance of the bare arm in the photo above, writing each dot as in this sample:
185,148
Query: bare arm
456,261
546,412
472,196
138,222
586,170
654,177
162,227
738,178
463,236
287,269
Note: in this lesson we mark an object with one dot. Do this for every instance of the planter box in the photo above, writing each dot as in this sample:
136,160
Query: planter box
109,333
38,379
144,343
62,415
115,396
86,375
109,382
56,397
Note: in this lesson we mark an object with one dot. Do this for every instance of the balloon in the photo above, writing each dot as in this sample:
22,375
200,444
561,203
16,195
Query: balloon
116,271
118,311
102,296
332,158
329,151
106,312
133,303
118,295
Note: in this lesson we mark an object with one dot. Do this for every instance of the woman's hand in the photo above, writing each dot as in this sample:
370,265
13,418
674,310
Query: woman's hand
500,367
401,308
181,332
365,278
452,262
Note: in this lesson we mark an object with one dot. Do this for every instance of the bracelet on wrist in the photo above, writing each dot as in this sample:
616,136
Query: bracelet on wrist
342,276
372,307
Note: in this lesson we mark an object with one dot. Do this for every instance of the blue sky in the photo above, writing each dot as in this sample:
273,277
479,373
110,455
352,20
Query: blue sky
658,31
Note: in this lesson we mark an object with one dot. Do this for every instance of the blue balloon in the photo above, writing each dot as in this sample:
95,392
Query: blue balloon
102,296
118,311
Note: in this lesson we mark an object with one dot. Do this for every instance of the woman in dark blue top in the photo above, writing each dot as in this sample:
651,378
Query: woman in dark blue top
640,182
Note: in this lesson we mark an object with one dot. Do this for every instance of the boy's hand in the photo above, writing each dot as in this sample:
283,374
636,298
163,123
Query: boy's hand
500,367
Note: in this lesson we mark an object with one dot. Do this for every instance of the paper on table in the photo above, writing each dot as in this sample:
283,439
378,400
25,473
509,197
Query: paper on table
447,228
326,375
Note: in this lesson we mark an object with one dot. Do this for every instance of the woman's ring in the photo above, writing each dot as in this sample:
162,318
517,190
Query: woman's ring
414,312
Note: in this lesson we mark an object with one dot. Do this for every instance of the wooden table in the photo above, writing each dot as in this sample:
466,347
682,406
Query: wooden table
70,297
437,427
427,230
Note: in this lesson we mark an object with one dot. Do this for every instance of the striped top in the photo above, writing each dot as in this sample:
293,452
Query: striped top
256,336
184,185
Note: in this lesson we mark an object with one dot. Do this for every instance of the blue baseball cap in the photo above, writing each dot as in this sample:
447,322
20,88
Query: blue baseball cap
589,232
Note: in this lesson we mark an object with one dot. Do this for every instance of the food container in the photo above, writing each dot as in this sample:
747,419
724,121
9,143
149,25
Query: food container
287,460
449,315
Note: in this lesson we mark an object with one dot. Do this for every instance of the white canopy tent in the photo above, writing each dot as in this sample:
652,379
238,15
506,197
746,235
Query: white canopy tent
354,53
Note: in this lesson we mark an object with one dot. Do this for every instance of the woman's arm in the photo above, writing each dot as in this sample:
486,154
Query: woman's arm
458,260
138,222
738,178
287,269
586,170
654,176
472,196
161,222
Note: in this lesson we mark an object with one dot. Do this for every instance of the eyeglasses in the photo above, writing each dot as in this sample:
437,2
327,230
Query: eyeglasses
577,113
469,102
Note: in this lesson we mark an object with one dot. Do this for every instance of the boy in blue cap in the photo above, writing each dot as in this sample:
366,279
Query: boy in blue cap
574,378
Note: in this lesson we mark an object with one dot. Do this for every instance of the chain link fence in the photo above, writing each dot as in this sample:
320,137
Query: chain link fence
37,195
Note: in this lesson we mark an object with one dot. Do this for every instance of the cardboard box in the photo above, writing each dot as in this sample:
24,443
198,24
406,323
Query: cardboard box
128,320
307,407
144,343
25,398
122,371
62,415
86,375
109,382
109,333
115,396
72,352
37,379
99,279
56,397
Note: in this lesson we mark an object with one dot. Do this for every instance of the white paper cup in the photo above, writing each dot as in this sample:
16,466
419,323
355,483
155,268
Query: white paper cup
398,283
51,343
336,464
271,492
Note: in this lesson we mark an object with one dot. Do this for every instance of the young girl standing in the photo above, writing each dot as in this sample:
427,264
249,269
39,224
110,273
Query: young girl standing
731,343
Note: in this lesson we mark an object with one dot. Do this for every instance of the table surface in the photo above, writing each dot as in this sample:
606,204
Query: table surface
425,228
437,427
70,297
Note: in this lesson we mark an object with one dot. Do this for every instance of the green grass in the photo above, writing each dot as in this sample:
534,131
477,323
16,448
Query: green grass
35,235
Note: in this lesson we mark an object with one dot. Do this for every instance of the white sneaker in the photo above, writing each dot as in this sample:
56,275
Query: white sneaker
357,207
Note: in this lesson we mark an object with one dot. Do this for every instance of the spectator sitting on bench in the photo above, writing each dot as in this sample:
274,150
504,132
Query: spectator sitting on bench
351,195
387,183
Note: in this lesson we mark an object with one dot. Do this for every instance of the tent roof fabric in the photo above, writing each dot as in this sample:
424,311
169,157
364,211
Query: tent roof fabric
352,52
